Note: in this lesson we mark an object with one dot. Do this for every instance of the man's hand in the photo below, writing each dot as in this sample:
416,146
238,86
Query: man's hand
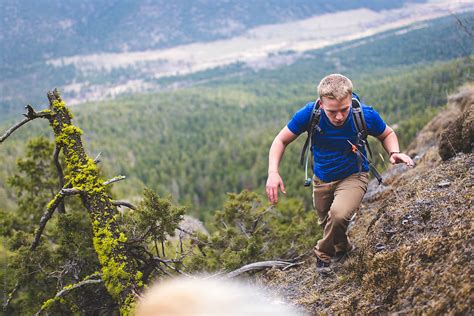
401,158
274,182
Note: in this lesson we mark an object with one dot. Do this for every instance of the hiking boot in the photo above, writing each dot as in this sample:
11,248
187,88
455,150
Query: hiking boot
323,267
341,256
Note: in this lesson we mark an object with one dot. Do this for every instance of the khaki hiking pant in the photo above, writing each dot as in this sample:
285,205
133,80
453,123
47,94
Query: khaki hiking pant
335,202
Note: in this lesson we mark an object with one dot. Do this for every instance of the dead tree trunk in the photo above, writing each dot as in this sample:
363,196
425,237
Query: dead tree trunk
119,272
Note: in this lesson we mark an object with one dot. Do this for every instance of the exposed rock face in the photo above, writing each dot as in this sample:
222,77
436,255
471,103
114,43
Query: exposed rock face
458,136
189,224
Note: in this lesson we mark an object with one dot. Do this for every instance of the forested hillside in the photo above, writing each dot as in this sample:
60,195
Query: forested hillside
202,142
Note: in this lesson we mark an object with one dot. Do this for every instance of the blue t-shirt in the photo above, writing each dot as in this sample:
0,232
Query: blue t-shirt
333,156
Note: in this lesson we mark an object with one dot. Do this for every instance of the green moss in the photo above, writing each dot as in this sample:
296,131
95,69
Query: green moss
107,240
128,306
48,303
50,204
122,237
114,273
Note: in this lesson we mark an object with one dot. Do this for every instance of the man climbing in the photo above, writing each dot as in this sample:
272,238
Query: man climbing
336,139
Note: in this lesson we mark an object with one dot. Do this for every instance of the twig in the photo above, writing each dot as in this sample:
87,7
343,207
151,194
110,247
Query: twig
181,248
163,270
165,262
192,236
257,266
116,179
57,150
452,147
260,216
225,225
185,231
124,203
97,159
29,116
70,191
242,229
292,265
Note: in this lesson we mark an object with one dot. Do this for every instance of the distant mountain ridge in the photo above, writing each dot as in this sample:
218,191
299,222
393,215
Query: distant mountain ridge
88,68
38,30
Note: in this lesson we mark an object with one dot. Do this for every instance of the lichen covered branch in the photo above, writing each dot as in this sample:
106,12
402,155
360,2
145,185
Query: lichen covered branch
10,296
116,179
120,275
92,279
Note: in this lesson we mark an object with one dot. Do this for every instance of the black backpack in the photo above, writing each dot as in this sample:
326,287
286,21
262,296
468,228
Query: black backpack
362,133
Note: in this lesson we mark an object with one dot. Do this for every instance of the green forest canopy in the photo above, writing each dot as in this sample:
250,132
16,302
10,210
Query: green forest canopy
199,143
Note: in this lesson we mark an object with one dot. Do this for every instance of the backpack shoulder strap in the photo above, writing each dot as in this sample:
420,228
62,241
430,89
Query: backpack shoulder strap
359,121
362,133
312,126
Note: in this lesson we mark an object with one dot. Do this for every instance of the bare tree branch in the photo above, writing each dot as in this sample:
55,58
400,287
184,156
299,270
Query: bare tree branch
116,179
163,270
97,159
49,212
10,296
29,116
192,236
68,289
259,218
57,150
257,266
167,264
242,229
124,203
70,191
45,218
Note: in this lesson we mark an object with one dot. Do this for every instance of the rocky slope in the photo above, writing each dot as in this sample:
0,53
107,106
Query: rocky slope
414,237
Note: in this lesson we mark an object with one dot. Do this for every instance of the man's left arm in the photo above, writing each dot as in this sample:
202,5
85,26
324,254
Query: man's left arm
389,140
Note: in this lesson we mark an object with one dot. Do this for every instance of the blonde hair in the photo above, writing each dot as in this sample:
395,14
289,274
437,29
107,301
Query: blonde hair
200,296
335,86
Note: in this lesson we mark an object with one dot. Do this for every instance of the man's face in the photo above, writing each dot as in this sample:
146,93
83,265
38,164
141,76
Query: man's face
336,111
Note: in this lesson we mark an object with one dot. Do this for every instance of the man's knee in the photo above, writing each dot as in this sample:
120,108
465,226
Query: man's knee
340,216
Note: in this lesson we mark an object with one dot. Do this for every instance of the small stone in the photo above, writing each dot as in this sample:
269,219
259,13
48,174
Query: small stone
379,247
444,184
390,231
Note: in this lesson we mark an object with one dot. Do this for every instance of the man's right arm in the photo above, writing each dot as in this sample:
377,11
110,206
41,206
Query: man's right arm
274,181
